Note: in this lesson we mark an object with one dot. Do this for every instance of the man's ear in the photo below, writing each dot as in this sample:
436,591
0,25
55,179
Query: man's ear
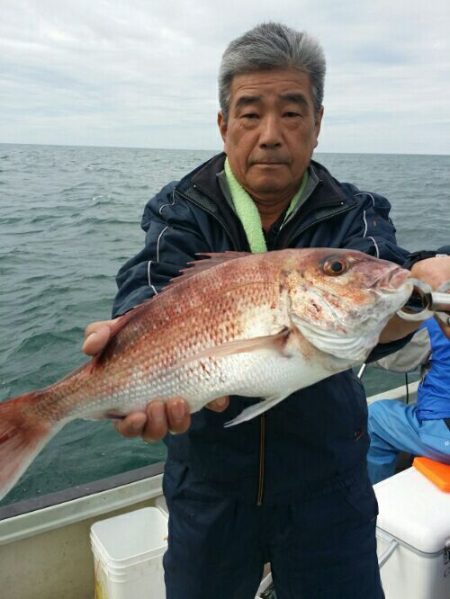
222,124
318,121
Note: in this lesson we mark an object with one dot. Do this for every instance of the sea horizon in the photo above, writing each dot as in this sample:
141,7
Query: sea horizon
215,151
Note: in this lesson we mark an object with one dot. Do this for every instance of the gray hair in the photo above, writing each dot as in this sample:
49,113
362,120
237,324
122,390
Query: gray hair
272,46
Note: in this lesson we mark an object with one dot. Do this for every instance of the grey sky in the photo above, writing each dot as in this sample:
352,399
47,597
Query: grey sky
143,72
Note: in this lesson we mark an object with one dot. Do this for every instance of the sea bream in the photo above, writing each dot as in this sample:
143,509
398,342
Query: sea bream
255,325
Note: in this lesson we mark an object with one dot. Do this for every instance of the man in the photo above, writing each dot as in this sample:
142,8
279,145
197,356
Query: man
291,486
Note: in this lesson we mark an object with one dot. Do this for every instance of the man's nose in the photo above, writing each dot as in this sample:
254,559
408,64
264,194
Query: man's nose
270,132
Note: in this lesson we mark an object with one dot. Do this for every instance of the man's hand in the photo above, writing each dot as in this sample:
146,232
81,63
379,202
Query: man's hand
159,417
96,336
435,272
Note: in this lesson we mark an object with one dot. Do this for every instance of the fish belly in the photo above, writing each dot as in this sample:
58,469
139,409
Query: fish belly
261,374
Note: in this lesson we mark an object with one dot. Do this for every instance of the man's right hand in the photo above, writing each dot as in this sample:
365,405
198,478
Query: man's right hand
159,417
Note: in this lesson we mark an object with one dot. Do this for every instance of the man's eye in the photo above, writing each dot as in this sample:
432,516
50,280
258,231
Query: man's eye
250,115
290,114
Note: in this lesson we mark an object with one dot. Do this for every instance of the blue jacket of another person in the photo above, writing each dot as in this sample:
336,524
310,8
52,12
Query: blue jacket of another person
433,394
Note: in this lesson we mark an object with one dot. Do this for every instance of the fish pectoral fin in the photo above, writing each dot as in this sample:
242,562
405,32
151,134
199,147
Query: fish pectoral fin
255,410
277,342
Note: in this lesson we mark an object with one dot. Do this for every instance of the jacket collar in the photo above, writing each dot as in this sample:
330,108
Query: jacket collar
327,194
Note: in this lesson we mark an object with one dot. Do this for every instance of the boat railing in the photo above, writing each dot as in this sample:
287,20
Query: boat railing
37,515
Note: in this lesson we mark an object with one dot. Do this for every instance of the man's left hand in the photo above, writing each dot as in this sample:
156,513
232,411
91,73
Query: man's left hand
435,272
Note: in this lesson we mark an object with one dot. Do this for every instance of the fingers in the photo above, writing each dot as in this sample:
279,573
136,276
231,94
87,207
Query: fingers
179,416
158,419
434,271
133,425
96,336
161,418
219,405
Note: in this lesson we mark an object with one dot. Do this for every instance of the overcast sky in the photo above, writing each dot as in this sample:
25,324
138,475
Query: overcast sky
143,73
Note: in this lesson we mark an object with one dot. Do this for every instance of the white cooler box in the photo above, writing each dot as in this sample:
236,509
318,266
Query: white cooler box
413,535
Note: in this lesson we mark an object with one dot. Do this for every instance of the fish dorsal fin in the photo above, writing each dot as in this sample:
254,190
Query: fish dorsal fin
215,258
205,262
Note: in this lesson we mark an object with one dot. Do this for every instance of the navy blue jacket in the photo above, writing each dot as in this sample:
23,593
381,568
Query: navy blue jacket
318,434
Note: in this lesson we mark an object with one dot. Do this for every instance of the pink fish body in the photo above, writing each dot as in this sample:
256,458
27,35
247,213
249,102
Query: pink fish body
261,325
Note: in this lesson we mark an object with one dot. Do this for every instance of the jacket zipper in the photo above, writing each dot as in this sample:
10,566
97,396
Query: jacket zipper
262,430
262,461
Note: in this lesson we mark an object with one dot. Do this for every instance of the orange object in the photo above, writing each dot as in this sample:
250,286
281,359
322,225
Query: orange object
437,472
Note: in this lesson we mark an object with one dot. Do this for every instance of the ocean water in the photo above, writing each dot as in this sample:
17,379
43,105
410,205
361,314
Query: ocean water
69,217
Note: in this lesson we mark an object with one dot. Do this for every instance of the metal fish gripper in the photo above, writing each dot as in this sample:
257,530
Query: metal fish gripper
424,303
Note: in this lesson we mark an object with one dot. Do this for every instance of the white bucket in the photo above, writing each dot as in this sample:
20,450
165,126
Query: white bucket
128,552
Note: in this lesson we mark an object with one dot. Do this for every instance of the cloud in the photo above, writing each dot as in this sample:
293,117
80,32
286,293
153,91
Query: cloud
144,73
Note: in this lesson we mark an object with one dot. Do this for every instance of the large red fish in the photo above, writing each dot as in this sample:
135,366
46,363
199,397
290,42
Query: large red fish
261,325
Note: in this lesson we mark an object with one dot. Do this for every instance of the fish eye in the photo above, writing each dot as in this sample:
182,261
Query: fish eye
335,266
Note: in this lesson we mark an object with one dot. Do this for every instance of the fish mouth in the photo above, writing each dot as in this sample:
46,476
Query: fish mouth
417,306
393,280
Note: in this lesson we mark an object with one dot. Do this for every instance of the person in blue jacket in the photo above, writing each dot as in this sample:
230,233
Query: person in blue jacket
289,487
422,428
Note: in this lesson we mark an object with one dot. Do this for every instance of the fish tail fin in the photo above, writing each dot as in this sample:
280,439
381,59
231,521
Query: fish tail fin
23,433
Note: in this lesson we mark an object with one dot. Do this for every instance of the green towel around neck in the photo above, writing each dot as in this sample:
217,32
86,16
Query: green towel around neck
248,212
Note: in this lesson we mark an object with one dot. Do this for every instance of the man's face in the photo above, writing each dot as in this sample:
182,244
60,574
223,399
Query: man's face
271,132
